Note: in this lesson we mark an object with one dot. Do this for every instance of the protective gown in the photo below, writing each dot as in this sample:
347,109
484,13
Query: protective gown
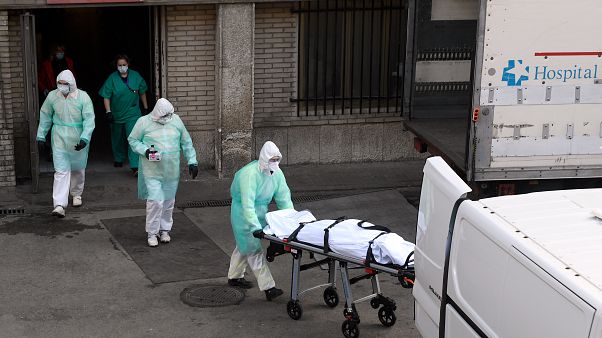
158,181
252,191
72,120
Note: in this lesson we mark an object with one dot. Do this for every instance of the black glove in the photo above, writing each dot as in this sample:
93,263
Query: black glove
146,153
144,111
41,146
110,118
258,233
81,145
193,170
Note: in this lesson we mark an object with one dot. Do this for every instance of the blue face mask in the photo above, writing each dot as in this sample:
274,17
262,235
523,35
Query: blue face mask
59,55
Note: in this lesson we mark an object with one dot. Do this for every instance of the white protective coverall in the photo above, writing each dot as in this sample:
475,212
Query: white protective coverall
158,181
72,120
253,188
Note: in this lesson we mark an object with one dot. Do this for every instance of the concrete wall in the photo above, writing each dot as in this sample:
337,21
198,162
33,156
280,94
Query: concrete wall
7,146
191,73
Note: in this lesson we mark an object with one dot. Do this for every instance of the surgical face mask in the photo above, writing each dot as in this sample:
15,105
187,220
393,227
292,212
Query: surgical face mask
63,88
122,69
273,166
165,118
59,55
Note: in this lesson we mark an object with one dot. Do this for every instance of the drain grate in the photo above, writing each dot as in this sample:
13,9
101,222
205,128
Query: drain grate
226,203
211,295
12,211
205,204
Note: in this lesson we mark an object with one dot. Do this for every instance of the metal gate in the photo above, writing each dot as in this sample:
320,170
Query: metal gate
351,57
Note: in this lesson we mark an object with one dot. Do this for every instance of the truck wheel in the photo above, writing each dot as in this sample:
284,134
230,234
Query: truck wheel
350,329
331,298
387,316
294,309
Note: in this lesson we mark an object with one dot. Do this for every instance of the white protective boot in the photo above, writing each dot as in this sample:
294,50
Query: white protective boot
165,238
58,211
152,241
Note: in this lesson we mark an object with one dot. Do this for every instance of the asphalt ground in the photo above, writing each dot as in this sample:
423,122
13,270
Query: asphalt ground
71,278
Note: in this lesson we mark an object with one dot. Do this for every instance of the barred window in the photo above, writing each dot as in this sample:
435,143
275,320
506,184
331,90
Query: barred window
351,56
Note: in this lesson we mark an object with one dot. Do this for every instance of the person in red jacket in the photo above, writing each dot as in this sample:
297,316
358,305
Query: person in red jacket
47,74
52,67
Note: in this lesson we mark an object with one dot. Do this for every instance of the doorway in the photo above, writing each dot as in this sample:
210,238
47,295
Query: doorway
92,38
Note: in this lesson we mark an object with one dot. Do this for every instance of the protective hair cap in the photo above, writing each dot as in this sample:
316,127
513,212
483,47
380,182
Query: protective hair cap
162,108
268,151
68,77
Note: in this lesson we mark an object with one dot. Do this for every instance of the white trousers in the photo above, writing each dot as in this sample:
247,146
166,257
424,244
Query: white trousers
65,182
257,263
159,216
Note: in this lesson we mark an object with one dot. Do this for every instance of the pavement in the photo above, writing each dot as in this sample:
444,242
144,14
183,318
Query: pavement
71,278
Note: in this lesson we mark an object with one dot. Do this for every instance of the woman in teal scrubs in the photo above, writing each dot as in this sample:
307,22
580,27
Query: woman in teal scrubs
122,92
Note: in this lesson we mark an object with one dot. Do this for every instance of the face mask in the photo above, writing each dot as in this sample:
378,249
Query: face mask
165,118
122,69
63,88
59,55
273,166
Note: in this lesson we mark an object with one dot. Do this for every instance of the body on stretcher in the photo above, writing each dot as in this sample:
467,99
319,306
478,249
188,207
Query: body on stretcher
346,242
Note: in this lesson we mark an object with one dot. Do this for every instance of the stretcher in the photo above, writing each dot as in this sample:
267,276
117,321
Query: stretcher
283,241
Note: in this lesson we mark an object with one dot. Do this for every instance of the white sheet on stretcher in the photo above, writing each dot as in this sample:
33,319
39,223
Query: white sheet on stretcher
345,238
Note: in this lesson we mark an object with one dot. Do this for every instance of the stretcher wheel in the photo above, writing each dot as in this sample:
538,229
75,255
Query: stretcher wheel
331,298
387,316
350,329
294,309
374,303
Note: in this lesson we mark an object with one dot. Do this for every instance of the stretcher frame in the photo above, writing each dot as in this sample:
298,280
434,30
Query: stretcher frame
386,314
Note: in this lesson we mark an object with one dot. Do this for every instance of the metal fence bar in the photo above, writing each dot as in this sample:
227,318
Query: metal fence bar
298,6
317,55
334,68
371,65
380,57
307,45
400,31
352,59
388,73
343,54
362,59
325,61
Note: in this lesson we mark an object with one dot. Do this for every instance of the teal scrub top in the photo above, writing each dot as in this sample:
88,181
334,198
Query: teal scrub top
124,97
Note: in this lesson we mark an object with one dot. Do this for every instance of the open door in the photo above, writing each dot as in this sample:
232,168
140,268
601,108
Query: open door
28,34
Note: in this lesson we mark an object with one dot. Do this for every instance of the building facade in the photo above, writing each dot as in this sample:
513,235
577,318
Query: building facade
325,80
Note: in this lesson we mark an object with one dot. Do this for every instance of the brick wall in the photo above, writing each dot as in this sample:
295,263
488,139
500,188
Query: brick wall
275,63
7,145
191,73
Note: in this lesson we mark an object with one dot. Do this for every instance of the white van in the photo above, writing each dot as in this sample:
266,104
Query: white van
511,266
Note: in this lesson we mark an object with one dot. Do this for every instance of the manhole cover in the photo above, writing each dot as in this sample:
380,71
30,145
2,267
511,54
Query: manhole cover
211,295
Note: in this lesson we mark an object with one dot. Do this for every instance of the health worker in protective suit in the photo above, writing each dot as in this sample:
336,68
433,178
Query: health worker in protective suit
70,114
253,188
158,138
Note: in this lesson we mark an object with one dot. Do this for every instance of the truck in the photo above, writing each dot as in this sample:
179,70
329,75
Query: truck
526,265
509,92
